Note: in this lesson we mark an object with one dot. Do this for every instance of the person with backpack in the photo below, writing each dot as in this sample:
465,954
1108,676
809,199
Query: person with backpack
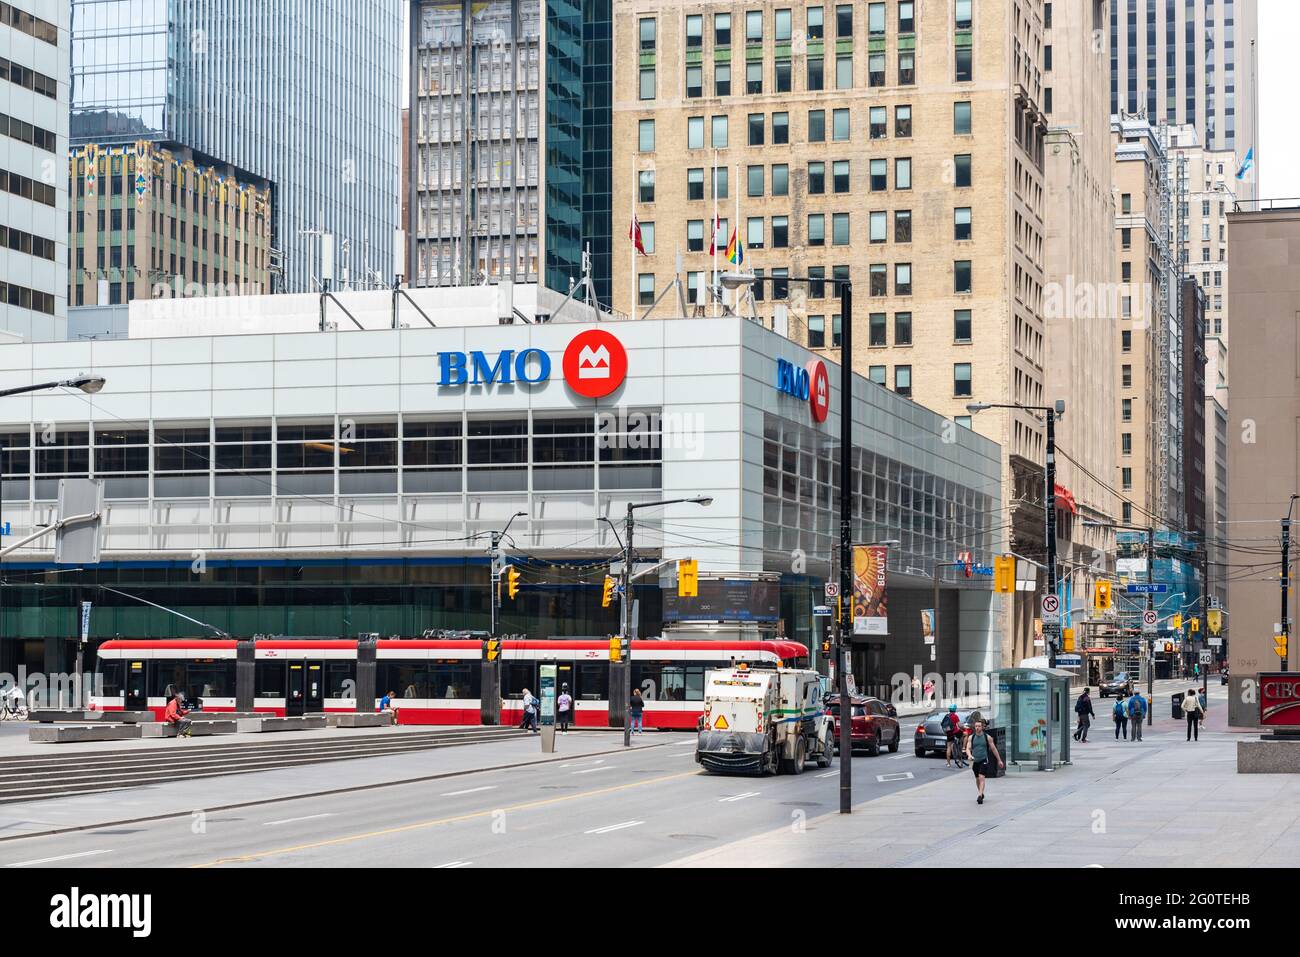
1137,713
1083,708
951,725
636,707
1120,714
563,709
979,747
529,722
1194,711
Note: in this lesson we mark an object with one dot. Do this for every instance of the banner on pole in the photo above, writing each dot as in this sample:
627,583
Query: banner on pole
870,605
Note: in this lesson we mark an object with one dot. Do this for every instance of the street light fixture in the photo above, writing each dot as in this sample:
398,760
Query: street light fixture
626,616
494,574
1052,413
1286,575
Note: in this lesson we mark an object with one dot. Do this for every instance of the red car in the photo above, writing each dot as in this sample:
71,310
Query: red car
873,725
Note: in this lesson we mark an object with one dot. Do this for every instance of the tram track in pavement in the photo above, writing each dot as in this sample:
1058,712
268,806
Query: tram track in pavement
42,777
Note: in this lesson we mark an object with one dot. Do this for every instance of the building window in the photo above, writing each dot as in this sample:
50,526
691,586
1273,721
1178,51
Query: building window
646,136
876,69
784,21
902,279
647,83
754,232
816,73
755,181
878,227
780,128
906,16
1126,443
902,328
816,332
1126,271
840,121
840,176
757,128
903,380
694,184
903,173
817,229
1126,202
963,11
878,122
878,280
722,29
879,175
902,225
1126,238
722,79
695,234
835,332
906,68
962,164
844,71
816,23
903,121
961,326
816,282
1128,512
1126,478
647,35
816,178
721,182
961,223
780,232
648,237
754,26
844,20
1126,376
877,374
961,379
694,82
876,329
784,74
963,72
780,180
961,118
754,76
816,126
1126,410
646,185
694,32
1126,341
719,132
645,285
961,273
840,229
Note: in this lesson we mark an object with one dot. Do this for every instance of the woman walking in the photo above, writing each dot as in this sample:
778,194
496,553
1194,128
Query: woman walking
1195,712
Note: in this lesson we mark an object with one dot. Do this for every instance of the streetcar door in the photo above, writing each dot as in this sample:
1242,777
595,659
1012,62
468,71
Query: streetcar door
314,693
136,696
294,698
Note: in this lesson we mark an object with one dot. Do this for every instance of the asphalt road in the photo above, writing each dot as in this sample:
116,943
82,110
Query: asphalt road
646,807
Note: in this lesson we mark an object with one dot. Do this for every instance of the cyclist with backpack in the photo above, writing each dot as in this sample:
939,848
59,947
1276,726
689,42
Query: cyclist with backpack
952,730
1137,712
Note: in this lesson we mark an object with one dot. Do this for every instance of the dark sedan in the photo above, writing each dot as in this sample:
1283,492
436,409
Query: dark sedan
873,725
930,735
1120,685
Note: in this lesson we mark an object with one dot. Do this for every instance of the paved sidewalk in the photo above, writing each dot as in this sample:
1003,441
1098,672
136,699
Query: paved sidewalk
1161,802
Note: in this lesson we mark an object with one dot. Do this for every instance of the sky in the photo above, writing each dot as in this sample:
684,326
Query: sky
1279,135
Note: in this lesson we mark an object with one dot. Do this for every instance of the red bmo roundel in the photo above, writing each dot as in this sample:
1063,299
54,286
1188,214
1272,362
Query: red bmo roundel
819,390
595,363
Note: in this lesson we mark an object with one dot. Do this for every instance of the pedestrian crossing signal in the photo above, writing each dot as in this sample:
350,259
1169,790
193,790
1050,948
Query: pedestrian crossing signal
607,597
493,649
826,647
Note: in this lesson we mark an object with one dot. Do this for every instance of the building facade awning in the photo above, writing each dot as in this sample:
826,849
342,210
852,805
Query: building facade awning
1065,500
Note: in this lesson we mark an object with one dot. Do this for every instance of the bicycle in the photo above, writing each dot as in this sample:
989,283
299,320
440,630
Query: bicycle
11,712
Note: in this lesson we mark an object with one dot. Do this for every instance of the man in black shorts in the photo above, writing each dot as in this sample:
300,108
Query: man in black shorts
981,751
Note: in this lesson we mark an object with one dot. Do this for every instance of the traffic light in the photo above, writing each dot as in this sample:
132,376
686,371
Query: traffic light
1169,647
1067,639
615,645
608,596
512,581
1004,574
1176,623
493,649
826,647
1196,625
1279,645
1101,597
688,578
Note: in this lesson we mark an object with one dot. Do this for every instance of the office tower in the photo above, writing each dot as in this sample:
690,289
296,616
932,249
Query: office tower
33,150
303,95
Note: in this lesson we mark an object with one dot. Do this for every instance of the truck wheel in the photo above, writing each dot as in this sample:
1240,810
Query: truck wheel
824,756
800,756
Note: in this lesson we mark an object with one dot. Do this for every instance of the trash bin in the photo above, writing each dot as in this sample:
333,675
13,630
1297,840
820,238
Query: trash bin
1176,701
999,736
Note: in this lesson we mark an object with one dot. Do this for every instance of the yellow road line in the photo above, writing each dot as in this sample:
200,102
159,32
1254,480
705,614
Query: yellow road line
440,821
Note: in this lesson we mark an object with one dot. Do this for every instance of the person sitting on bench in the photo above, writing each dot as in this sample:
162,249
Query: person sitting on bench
175,715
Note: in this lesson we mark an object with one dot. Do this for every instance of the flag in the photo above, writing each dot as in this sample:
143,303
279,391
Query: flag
634,234
1247,164
717,227
735,248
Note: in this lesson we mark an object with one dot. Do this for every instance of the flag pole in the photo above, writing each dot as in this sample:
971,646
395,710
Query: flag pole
632,254
713,242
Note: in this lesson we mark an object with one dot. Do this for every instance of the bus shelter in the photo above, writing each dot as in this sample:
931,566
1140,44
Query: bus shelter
1033,705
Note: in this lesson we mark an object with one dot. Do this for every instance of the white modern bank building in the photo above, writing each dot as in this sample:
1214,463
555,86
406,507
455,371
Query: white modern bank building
267,476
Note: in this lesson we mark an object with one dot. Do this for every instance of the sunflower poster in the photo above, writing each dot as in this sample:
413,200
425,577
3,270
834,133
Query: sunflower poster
870,612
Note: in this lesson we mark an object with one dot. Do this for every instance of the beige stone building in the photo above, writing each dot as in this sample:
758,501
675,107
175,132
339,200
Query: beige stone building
1264,364
1080,272
144,217
899,143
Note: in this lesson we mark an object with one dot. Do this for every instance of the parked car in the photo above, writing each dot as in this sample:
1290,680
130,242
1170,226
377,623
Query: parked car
1120,685
873,724
930,735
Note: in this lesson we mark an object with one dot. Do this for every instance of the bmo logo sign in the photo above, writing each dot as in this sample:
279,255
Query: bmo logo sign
810,383
595,364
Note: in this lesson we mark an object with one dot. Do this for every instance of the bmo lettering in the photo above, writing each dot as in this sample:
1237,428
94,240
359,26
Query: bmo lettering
459,368
791,379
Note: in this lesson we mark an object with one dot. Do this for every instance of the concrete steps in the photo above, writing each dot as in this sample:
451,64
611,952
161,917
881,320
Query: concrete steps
48,776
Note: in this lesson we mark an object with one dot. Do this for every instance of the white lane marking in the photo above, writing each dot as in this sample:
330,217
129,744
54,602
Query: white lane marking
61,857
453,864
739,797
450,794
827,774
903,776
607,767
897,757
576,764
613,827
291,820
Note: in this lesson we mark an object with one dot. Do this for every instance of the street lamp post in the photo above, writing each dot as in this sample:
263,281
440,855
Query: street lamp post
1286,576
1150,533
1052,413
89,385
845,288
626,617
494,575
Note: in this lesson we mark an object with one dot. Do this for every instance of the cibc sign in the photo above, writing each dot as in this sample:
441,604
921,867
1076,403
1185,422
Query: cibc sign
1279,700
810,383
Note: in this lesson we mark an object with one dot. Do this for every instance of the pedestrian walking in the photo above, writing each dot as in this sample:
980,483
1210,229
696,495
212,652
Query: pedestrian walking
916,691
529,722
1120,714
563,709
929,689
951,725
636,706
979,747
1137,713
1083,708
1195,712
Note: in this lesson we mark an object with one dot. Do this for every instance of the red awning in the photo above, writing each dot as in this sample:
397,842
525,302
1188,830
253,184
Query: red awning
1065,500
